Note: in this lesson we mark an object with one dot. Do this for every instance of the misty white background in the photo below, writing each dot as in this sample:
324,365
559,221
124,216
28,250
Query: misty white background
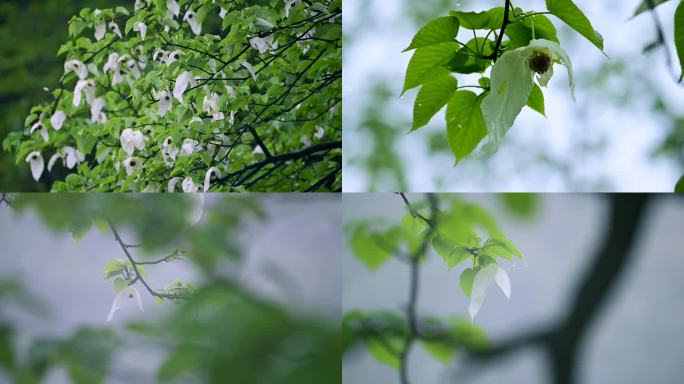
376,31
302,239
636,338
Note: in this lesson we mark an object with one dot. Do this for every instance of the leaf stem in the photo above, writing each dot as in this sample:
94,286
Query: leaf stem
499,39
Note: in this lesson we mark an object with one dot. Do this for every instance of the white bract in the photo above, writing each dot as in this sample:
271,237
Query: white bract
140,27
57,120
481,282
115,28
191,18
127,296
173,7
249,67
77,67
290,3
130,140
512,81
319,132
131,164
263,24
72,156
182,82
41,130
36,163
96,114
164,103
207,177
189,185
189,147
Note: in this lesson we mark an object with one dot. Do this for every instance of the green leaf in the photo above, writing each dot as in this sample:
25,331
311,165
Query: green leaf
466,280
522,205
431,98
679,188
646,5
365,246
536,100
465,124
530,28
490,19
466,62
6,348
382,351
453,254
679,34
114,268
428,63
120,284
567,11
439,351
440,30
79,228
101,225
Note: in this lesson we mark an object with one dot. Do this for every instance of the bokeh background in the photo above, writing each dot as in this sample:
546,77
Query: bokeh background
636,335
625,132
291,258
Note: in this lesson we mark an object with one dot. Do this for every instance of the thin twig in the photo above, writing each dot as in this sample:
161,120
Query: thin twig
499,39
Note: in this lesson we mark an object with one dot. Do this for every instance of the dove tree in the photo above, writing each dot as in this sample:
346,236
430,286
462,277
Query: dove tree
453,229
485,67
244,94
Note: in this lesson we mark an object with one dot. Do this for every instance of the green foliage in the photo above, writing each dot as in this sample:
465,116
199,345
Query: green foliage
679,188
567,11
517,72
240,97
522,205
647,4
679,34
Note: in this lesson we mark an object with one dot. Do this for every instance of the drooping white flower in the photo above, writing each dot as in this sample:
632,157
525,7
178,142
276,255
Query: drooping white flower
36,163
72,156
77,67
210,104
57,120
100,29
164,103
259,44
131,164
171,186
112,62
512,81
249,68
481,282
182,82
189,185
319,132
189,147
173,7
53,159
114,28
127,296
96,114
258,150
160,55
290,3
191,18
142,28
231,91
132,66
41,130
304,139
130,140
207,177
172,57
84,86
231,119
223,12
263,24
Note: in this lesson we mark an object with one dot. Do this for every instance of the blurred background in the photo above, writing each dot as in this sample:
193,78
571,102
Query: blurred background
52,288
31,32
634,339
625,132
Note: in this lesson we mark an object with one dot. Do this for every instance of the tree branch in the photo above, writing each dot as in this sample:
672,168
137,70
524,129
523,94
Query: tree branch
499,39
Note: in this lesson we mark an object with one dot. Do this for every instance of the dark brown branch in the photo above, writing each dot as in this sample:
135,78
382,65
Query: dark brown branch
499,39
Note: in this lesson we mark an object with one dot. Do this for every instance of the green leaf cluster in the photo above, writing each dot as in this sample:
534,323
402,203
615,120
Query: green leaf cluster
466,43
